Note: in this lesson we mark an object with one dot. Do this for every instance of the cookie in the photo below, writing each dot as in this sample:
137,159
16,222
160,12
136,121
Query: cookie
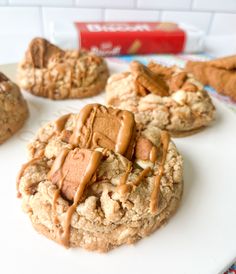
13,108
51,72
218,73
166,97
98,180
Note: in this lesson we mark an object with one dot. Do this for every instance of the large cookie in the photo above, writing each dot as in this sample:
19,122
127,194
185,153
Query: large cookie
96,180
13,108
50,72
167,97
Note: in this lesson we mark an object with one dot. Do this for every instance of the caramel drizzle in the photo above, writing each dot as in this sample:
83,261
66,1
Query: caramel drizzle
21,173
91,137
165,138
83,115
125,133
61,122
59,125
153,154
122,188
123,138
55,198
141,176
89,172
58,163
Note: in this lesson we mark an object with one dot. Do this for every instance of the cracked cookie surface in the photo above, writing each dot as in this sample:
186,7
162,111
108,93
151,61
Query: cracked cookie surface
48,71
97,180
13,108
167,97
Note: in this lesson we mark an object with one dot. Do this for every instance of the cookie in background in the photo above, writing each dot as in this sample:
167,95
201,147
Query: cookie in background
51,72
13,108
218,73
164,97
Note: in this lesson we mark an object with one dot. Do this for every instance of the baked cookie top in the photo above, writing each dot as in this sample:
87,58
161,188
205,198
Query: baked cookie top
97,180
49,71
13,108
167,97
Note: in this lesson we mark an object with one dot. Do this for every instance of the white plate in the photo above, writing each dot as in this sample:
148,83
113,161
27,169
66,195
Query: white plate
199,239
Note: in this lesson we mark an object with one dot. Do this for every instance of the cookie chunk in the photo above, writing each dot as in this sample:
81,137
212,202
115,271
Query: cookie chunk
97,180
166,97
218,73
13,108
51,72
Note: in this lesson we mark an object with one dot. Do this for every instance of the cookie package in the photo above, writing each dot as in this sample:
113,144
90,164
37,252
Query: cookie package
118,38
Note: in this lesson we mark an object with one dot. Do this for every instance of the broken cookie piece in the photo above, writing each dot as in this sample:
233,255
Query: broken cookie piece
148,80
3,77
73,168
219,73
40,52
145,150
98,126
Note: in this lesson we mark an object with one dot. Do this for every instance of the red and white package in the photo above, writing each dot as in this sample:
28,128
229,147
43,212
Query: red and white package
120,38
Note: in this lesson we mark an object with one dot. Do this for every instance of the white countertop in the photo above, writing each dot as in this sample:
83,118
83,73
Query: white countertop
12,48
199,238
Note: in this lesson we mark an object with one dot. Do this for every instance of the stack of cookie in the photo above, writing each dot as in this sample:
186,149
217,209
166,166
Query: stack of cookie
105,176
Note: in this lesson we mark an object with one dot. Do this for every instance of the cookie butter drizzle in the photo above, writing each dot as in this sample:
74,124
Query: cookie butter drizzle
153,154
141,176
55,198
61,122
123,188
21,173
57,167
89,172
124,135
58,163
165,138
83,115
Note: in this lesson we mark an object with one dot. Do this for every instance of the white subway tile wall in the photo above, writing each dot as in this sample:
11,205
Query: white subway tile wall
41,2
223,23
33,17
21,24
106,3
166,4
201,20
25,20
3,2
131,15
215,5
68,15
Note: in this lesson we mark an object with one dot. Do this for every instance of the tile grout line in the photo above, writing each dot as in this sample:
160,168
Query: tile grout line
160,15
191,5
73,5
103,14
41,20
210,23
